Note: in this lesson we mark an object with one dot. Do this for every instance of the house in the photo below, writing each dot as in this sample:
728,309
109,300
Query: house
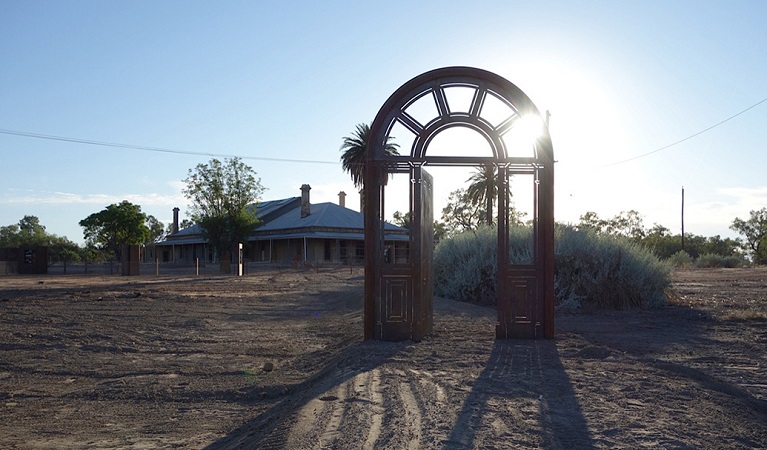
292,231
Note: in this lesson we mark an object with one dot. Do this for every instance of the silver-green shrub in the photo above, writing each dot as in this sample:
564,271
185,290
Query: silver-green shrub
594,270
466,265
591,270
680,259
712,260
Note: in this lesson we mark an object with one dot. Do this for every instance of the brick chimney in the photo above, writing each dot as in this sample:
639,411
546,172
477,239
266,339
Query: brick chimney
342,199
175,220
305,205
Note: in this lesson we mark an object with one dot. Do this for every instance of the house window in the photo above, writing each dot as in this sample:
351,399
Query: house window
342,251
328,254
401,252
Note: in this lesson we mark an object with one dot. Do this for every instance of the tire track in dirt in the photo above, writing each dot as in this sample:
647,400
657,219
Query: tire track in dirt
411,412
324,420
373,386
382,407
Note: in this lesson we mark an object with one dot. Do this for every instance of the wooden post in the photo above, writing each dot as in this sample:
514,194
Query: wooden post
240,271
682,217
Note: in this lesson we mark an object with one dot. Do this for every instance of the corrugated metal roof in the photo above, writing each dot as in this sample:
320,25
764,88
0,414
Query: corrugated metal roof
188,231
325,235
189,240
283,221
265,209
323,215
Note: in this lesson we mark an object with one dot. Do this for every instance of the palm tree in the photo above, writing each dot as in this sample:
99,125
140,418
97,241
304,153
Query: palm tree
484,189
353,159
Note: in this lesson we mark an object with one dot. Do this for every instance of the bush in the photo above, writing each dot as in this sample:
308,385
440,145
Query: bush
680,259
591,270
711,260
606,272
466,266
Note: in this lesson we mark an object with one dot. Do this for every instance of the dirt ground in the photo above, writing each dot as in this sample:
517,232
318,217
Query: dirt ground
275,360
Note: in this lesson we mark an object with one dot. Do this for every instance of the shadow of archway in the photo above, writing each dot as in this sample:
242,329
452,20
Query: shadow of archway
527,381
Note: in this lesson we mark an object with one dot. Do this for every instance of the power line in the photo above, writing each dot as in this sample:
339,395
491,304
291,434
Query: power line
308,161
688,137
155,149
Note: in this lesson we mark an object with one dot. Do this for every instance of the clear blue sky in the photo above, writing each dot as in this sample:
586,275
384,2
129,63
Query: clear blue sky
289,79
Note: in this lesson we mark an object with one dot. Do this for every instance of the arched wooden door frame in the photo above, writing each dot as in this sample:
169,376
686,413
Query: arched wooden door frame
525,293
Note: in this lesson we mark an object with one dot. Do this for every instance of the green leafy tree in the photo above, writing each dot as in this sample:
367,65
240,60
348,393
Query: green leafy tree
715,245
461,214
156,229
627,223
61,249
31,232
28,231
402,219
9,236
754,231
115,226
220,194
354,148
591,221
67,255
405,219
661,242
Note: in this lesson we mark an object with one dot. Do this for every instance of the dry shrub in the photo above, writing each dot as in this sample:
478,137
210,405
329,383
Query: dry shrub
592,271
712,260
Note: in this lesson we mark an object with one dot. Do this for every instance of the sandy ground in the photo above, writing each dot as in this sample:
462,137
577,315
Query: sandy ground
275,360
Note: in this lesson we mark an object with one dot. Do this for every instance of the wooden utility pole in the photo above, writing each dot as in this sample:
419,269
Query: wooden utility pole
682,217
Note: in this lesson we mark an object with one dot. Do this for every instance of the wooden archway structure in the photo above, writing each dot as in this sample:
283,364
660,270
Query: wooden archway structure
398,291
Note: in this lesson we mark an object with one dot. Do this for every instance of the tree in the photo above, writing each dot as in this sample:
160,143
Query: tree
484,189
66,255
461,214
627,224
9,236
440,231
591,221
402,219
115,226
715,245
354,148
31,232
754,230
61,249
28,231
220,194
659,240
156,229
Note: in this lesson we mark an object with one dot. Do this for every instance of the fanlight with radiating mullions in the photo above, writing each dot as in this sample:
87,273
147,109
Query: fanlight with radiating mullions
398,291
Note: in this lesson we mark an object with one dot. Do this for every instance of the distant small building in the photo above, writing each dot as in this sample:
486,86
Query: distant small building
24,260
292,231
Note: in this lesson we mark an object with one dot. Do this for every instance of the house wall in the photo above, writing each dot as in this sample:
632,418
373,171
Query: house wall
318,251
259,251
185,254
284,252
